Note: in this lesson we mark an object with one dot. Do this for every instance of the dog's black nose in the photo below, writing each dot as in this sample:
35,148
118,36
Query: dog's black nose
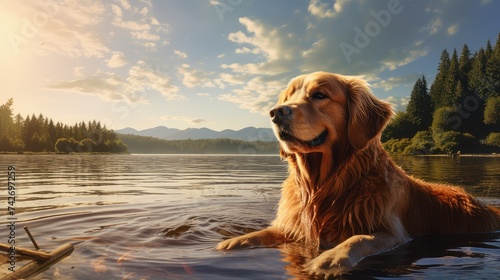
279,113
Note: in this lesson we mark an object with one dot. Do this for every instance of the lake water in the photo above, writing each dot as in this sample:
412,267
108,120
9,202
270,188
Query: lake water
160,216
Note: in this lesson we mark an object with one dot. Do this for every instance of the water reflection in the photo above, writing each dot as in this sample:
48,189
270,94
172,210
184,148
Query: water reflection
478,175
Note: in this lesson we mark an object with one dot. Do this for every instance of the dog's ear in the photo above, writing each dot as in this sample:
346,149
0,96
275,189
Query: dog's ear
368,115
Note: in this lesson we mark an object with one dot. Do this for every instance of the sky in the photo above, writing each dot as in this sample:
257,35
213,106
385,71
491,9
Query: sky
218,64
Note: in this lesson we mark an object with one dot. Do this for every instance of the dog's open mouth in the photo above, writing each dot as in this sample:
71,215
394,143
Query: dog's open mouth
316,141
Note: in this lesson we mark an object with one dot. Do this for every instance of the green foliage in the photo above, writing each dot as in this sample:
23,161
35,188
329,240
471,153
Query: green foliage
452,78
9,138
63,145
493,139
396,146
493,68
492,111
441,120
116,146
454,141
439,86
419,107
9,145
40,134
399,127
87,145
465,96
421,143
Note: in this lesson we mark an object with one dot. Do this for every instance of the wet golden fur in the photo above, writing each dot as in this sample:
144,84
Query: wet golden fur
344,193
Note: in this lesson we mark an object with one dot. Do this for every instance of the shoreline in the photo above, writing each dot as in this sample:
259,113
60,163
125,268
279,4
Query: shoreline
459,156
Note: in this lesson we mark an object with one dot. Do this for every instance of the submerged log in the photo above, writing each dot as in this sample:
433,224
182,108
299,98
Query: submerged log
39,265
27,253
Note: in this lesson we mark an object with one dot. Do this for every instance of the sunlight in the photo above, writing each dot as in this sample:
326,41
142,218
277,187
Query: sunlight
7,31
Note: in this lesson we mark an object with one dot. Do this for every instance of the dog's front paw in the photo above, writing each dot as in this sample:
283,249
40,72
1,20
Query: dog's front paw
233,243
262,238
330,263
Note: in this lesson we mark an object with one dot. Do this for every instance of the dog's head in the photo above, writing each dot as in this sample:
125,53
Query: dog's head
321,109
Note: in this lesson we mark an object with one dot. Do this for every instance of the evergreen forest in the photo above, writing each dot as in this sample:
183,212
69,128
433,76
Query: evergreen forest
40,134
460,112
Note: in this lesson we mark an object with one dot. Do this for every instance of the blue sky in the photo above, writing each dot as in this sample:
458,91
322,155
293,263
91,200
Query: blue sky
217,63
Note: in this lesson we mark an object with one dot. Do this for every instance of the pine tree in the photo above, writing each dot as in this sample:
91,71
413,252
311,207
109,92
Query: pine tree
477,73
419,110
438,86
6,121
493,70
489,50
452,78
464,67
492,112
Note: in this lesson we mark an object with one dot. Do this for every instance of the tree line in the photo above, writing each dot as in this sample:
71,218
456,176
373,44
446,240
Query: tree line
40,134
152,145
460,111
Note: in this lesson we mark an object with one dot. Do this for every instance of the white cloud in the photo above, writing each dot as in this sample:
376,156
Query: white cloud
434,26
389,84
144,11
143,27
214,2
149,45
125,4
116,60
192,77
233,79
108,86
275,48
264,68
452,29
65,29
142,76
85,12
321,10
394,63
67,40
258,95
145,35
133,26
147,2
132,89
180,54
398,103
266,40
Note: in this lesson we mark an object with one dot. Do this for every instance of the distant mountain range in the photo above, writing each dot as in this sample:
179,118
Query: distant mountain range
162,132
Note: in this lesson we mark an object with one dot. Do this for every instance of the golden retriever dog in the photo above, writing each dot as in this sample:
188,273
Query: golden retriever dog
344,194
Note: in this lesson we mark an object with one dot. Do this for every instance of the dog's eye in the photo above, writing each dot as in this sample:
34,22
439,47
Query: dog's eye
318,95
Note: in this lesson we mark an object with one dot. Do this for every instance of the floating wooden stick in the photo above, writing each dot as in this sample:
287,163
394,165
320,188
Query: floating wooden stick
27,253
31,238
36,266
41,260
